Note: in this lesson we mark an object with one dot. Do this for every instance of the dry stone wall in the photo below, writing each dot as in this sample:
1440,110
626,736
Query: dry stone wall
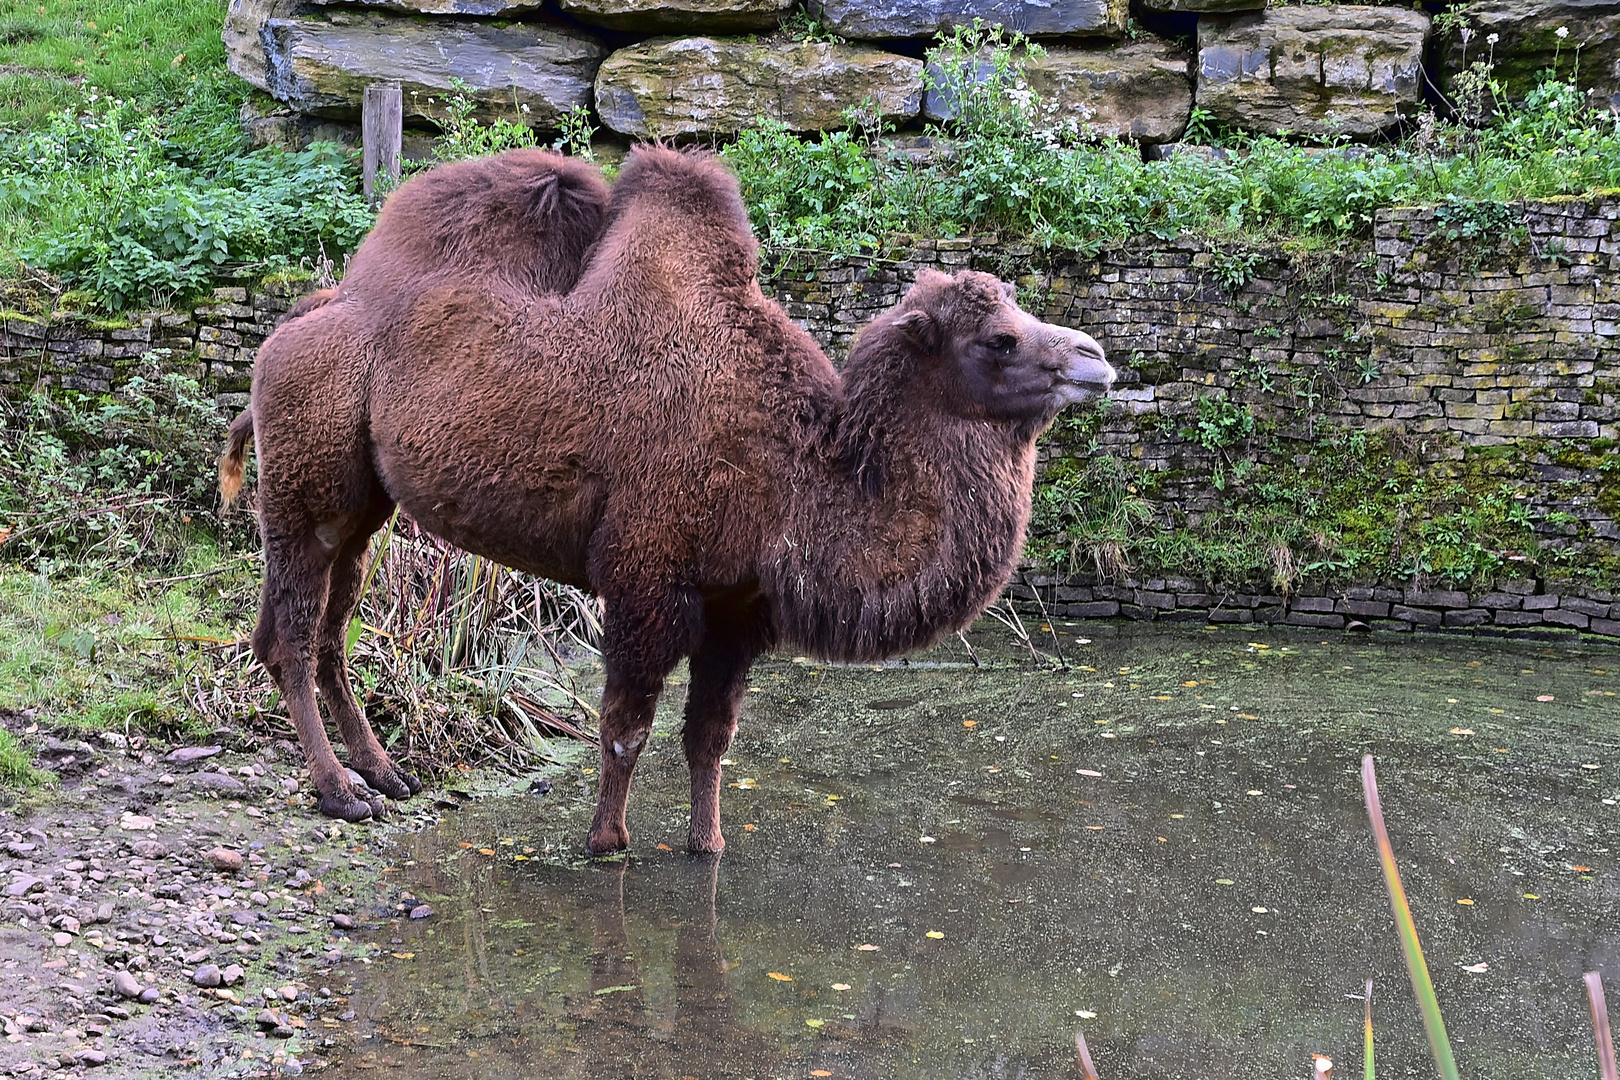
1457,348
709,68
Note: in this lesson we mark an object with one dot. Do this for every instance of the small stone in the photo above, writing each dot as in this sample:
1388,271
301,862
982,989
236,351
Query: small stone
244,917
421,911
126,985
92,1058
23,884
208,975
288,993
259,898
224,859
283,1031
188,754
218,782
151,849
62,940
232,974
136,823
104,912
342,921
118,1012
291,1067
21,851
150,995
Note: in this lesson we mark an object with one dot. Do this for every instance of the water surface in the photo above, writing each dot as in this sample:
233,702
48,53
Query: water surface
945,871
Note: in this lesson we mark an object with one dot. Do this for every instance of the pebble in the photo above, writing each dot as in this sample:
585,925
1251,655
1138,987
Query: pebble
188,754
126,985
136,823
421,911
207,975
291,1067
92,1058
151,849
288,993
62,940
150,995
232,974
343,922
224,859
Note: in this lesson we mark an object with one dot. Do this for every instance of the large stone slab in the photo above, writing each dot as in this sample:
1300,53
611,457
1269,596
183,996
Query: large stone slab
680,16
1318,71
878,19
521,71
445,7
1140,91
1527,43
242,35
717,86
1204,7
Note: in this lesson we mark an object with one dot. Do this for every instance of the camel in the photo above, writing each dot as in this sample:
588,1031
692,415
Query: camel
665,437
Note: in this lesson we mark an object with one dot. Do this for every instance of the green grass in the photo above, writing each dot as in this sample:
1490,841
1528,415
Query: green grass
109,650
160,53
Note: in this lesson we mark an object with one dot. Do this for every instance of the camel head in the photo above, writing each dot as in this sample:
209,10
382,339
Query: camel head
987,358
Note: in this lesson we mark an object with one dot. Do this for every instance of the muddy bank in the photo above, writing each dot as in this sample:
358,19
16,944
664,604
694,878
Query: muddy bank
171,909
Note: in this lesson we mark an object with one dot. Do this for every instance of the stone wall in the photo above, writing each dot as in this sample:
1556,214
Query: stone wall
1504,347
709,68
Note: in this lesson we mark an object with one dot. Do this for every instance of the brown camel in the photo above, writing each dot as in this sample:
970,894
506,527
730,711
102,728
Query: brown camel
667,438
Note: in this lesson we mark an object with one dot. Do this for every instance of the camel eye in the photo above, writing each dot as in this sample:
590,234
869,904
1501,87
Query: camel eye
1002,343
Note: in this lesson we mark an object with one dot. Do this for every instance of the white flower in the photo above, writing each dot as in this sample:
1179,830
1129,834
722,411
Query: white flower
1493,39
1467,35
1562,32
523,108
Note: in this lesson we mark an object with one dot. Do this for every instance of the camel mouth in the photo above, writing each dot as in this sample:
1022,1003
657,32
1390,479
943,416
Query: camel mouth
1087,373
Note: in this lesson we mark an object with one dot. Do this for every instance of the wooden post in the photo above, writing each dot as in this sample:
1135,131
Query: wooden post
382,120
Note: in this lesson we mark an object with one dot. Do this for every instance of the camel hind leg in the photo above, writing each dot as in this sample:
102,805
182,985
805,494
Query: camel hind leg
296,582
366,755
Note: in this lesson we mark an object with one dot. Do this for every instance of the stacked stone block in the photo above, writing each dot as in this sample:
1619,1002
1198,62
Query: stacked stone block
702,69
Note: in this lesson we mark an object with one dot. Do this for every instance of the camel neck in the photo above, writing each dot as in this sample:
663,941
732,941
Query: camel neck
903,536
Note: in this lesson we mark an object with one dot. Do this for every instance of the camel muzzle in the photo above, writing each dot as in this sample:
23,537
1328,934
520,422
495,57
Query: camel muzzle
1086,371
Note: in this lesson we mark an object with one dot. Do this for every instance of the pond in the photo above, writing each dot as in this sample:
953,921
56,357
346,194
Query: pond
943,870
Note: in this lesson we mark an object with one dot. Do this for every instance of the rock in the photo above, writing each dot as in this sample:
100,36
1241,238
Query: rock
126,984
187,755
91,1058
150,995
232,974
244,55
483,8
136,822
876,19
104,912
62,939
1142,91
421,911
1204,7
151,849
1317,71
288,993
680,16
528,72
20,851
709,86
269,1018
1528,43
224,859
24,884
207,976
244,918
218,782
343,922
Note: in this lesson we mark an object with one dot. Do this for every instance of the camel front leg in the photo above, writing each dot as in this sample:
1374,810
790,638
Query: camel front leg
733,637
643,640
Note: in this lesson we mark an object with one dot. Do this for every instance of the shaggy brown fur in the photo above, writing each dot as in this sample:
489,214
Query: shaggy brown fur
666,437
519,223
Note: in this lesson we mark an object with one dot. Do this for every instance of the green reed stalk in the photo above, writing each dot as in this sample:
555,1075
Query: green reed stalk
1367,1072
1422,987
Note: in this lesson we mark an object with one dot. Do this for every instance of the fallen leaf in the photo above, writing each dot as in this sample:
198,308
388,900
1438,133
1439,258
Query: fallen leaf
1224,881
665,847
814,1023
1581,869
614,989
840,986
867,948
1477,969
925,840
1087,772
486,851
1465,902
819,1072
934,934
779,977
1544,697
965,723
1532,896
1247,716
1462,731
403,955
1160,697
1190,682
750,827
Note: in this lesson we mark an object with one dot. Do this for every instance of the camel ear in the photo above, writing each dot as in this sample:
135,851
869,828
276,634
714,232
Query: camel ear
545,194
920,328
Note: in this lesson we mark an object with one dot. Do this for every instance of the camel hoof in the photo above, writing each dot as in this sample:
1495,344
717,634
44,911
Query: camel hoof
706,845
391,780
607,841
346,806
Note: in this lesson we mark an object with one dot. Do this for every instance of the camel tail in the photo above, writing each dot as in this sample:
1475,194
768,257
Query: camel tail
230,462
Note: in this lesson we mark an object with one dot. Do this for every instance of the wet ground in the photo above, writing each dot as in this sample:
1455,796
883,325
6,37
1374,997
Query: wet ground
946,871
